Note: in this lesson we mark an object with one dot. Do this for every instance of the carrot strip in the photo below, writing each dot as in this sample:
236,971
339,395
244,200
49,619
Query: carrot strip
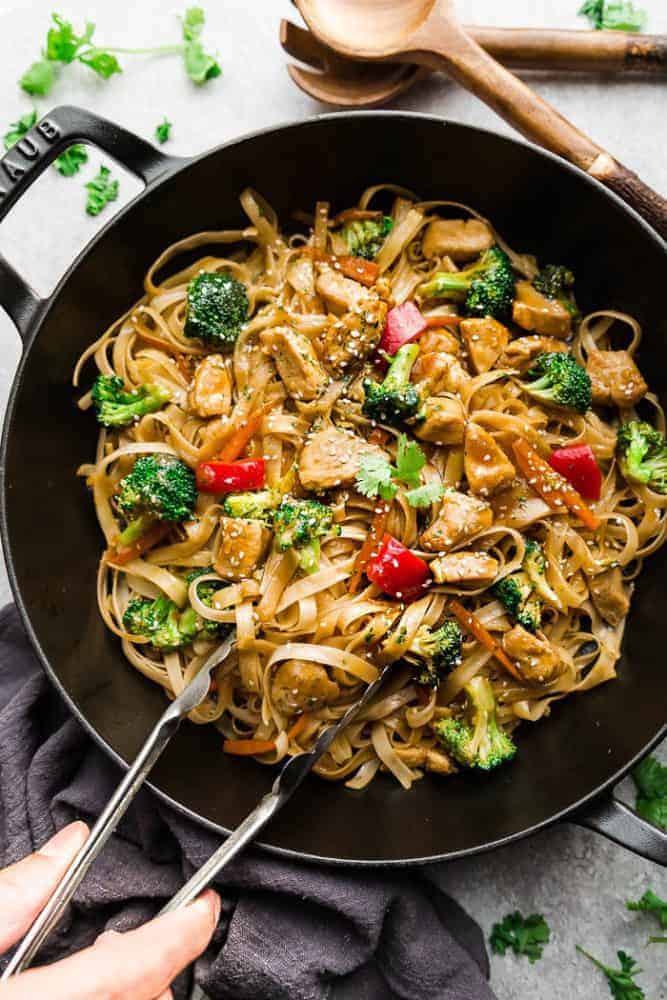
298,726
551,486
238,439
371,544
473,626
126,553
438,321
248,748
366,272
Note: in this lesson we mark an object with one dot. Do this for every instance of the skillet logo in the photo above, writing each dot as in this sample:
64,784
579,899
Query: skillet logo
30,150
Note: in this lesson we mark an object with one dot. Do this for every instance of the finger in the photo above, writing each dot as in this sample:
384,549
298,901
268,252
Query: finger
26,886
140,964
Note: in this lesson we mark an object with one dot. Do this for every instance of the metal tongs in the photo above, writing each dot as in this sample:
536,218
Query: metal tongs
291,775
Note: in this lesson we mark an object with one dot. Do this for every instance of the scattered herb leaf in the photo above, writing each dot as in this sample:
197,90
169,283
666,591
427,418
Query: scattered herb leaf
19,128
621,981
39,78
376,475
424,496
525,936
101,191
103,63
613,15
650,777
71,161
163,130
199,65
410,460
651,903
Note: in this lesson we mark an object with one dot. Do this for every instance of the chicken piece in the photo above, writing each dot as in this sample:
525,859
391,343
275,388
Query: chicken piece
465,567
437,372
438,762
521,353
211,391
241,545
331,457
536,659
615,378
485,340
302,686
439,339
534,311
295,358
349,340
609,596
443,421
460,239
460,517
487,467
340,293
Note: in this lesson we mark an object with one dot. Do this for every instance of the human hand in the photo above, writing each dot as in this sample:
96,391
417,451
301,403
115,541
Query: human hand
138,965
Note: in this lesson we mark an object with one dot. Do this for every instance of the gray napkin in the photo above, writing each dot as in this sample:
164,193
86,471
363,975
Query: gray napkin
287,930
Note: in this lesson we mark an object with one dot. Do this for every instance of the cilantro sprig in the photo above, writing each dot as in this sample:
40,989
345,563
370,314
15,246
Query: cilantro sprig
378,477
68,163
650,902
163,130
650,777
613,15
18,129
101,190
523,935
199,65
622,985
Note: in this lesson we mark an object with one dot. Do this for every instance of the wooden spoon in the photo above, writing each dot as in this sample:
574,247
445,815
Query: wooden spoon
350,83
426,32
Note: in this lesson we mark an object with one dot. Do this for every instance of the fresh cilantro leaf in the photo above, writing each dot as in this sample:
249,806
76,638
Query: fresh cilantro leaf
163,130
651,903
71,161
102,63
650,777
62,42
199,65
410,460
525,936
375,477
100,191
424,496
193,23
19,128
621,981
39,78
613,15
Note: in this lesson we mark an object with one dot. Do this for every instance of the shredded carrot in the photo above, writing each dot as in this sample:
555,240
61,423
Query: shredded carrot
366,272
248,748
213,686
378,436
371,543
438,321
238,439
473,626
551,486
119,556
299,726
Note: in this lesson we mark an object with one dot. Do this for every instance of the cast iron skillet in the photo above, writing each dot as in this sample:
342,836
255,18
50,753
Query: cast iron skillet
568,764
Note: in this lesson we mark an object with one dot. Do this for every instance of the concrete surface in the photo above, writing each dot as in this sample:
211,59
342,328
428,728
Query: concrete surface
576,878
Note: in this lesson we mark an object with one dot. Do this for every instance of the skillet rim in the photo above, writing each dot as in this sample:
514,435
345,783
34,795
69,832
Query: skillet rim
171,170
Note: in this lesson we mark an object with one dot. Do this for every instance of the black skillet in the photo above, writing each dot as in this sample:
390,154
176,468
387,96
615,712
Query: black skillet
568,764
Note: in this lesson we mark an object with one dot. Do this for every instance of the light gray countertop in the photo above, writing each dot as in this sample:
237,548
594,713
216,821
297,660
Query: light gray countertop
575,877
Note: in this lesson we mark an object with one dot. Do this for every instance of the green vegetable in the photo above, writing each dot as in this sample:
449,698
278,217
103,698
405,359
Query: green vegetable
101,191
642,454
299,524
476,740
614,15
39,78
71,161
621,981
486,288
376,475
199,66
19,128
217,309
163,130
160,621
191,622
516,592
524,935
116,406
425,495
650,777
556,378
365,237
159,488
396,399
534,565
651,903
439,651
258,505
556,282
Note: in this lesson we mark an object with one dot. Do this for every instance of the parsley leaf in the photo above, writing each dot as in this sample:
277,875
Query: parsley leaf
613,15
424,496
102,63
163,130
100,191
39,78
621,981
19,128
199,65
62,42
375,477
651,903
525,936
410,460
650,777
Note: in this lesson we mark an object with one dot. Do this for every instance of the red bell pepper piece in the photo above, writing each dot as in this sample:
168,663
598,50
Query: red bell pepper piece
577,464
404,324
397,570
231,477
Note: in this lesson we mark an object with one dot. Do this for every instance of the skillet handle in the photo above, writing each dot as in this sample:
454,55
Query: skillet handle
615,820
25,161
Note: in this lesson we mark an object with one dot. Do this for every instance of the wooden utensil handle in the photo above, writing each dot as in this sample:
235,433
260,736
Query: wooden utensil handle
443,44
583,51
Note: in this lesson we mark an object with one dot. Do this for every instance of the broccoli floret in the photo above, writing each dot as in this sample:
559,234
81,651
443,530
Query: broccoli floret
642,454
115,406
157,620
486,287
217,309
534,566
556,378
516,592
395,399
476,741
259,505
365,238
299,524
159,488
192,623
557,282
439,651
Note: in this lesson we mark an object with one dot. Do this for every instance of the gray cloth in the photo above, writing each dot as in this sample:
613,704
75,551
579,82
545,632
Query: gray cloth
287,930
